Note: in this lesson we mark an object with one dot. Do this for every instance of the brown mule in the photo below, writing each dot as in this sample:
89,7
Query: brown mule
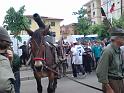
43,60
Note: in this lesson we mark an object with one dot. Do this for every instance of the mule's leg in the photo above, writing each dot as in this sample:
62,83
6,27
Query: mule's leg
51,88
55,83
39,86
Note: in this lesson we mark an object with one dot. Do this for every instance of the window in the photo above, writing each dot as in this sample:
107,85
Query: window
93,13
93,5
93,22
52,23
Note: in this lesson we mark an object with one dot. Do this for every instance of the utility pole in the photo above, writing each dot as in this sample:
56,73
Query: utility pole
121,7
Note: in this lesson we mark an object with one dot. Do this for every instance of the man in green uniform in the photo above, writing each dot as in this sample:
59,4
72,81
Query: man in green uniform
110,67
6,74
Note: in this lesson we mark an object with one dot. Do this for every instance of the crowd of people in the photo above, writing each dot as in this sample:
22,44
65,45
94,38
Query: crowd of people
84,56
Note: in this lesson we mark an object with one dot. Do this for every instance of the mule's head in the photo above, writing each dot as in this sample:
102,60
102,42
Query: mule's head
37,41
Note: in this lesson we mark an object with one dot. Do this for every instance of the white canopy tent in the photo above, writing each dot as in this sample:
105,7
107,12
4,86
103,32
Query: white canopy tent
17,44
73,38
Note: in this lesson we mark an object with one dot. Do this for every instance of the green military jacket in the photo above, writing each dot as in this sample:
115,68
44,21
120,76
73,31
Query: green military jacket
110,64
5,72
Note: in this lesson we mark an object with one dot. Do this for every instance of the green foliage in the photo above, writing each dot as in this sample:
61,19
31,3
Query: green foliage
118,23
82,26
81,13
103,29
83,22
94,28
16,21
100,29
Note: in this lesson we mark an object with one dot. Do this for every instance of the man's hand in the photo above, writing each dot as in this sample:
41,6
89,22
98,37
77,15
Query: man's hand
109,89
10,55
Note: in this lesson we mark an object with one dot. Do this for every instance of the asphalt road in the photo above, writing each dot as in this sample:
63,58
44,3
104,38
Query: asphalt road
64,84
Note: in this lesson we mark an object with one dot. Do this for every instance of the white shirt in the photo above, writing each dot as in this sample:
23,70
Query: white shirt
79,57
74,53
77,52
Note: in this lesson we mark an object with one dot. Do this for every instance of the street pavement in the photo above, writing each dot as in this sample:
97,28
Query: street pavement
28,84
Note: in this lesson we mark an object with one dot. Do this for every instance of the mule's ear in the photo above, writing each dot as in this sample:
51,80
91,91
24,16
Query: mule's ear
30,32
38,20
46,30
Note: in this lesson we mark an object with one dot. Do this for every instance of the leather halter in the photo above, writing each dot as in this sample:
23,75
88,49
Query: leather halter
39,52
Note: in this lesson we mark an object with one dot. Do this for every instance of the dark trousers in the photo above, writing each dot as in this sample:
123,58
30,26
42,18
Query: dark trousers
24,58
77,68
97,59
87,61
17,82
63,68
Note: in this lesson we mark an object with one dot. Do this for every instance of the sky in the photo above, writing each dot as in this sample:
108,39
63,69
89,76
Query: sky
51,8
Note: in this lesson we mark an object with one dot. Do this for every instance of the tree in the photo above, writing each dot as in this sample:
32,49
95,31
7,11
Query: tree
100,29
103,29
83,22
118,22
16,21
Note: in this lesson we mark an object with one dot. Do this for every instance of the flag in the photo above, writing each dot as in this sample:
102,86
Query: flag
112,8
102,12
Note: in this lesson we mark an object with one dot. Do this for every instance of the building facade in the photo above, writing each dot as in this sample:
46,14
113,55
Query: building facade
117,8
53,22
67,30
95,9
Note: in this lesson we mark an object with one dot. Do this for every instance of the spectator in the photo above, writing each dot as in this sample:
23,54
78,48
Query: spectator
110,68
24,56
77,61
6,74
97,50
87,59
